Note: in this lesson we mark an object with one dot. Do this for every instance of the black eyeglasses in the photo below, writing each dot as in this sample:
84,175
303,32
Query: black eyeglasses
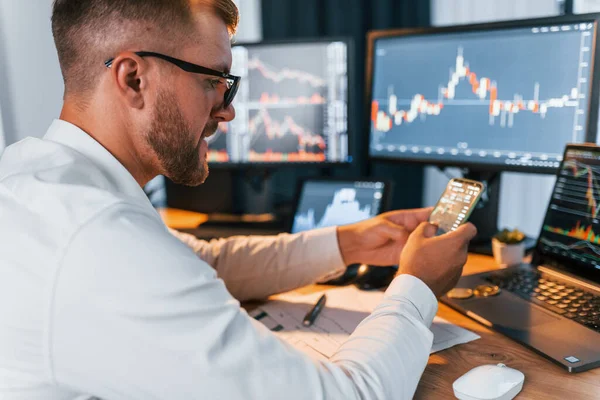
232,81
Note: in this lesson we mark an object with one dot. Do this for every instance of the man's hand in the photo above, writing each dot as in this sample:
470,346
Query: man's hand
436,260
379,240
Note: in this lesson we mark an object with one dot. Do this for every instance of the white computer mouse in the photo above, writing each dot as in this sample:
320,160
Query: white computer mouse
489,382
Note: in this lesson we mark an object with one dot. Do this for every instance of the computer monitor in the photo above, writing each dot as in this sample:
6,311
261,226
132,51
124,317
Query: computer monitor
502,96
323,203
291,108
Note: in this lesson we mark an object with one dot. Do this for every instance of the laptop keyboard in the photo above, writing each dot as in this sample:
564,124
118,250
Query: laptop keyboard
571,302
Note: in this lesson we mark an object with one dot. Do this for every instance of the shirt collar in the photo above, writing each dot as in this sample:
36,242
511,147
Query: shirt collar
71,136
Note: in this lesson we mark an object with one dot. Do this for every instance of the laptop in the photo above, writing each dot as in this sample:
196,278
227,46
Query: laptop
322,203
553,304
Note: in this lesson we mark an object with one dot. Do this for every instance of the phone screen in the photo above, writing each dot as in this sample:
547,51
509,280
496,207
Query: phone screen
455,205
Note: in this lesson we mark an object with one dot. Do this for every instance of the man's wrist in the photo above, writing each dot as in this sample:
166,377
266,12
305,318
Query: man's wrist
349,247
417,292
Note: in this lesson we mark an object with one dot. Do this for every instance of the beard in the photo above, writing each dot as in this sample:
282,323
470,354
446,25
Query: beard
174,143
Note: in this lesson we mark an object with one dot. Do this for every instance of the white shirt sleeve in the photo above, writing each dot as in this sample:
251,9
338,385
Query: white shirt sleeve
136,315
255,267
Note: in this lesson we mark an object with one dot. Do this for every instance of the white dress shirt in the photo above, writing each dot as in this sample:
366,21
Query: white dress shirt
97,298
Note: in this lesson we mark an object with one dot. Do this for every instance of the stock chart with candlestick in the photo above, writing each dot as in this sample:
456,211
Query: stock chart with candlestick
505,97
291,106
572,224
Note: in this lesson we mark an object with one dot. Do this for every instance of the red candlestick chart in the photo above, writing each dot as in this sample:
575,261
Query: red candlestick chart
485,90
291,106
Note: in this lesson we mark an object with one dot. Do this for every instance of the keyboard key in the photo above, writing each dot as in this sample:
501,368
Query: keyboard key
559,297
543,304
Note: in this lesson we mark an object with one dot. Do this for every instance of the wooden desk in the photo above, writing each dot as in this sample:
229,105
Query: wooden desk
543,379
181,219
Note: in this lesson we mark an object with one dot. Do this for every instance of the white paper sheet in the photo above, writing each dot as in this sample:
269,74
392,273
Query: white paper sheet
345,309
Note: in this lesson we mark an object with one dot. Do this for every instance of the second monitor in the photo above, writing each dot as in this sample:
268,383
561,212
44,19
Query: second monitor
292,105
504,96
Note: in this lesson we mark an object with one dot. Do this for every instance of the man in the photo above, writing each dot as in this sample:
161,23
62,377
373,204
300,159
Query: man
98,299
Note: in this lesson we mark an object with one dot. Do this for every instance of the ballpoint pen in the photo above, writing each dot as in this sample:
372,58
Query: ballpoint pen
312,315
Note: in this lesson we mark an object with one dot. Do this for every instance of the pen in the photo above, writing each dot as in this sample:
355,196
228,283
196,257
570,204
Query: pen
312,315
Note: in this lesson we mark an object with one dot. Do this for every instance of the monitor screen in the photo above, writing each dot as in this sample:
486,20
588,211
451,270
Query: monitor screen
292,105
496,96
571,229
330,203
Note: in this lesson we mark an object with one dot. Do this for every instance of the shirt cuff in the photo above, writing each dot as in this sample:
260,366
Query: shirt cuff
412,289
324,251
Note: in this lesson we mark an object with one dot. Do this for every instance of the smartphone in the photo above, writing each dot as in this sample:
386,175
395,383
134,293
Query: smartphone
456,204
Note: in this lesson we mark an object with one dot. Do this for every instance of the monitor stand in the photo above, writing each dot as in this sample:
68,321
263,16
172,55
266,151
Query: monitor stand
485,215
252,190
230,198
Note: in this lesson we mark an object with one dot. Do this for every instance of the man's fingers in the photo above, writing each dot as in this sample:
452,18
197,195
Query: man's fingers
425,229
393,231
465,232
468,230
410,219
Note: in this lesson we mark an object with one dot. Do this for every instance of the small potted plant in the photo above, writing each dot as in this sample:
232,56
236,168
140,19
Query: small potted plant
508,247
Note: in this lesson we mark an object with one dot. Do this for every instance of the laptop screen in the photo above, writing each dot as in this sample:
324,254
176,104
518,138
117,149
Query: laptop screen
571,229
325,203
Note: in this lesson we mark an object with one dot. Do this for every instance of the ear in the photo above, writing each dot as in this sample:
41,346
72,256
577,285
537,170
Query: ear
130,75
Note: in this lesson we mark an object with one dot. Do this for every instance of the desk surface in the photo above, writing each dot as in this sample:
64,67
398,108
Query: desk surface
543,379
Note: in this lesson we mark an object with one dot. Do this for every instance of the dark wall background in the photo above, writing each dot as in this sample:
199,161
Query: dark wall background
240,190
296,19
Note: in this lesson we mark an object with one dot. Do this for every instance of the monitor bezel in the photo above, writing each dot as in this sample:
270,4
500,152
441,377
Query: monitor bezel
593,101
556,261
351,70
386,199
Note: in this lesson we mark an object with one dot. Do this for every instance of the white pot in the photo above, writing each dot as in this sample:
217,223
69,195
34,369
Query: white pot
508,254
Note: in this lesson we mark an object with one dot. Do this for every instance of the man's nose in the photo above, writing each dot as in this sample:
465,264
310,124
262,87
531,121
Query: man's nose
225,114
